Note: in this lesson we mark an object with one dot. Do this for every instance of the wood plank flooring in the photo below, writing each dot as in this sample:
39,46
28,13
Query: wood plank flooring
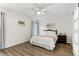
26,49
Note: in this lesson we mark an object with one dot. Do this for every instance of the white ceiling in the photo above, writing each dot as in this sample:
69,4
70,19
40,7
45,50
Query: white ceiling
27,9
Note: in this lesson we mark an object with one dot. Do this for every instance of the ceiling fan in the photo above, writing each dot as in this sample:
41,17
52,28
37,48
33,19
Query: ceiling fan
40,11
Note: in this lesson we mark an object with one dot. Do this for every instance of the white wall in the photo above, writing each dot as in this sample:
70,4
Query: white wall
63,25
15,33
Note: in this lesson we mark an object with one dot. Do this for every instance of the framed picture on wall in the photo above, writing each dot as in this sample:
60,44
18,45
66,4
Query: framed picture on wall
49,25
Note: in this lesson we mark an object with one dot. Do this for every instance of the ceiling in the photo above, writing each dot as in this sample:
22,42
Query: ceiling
27,9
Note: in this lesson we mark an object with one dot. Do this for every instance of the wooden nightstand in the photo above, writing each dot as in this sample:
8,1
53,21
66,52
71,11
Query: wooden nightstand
62,38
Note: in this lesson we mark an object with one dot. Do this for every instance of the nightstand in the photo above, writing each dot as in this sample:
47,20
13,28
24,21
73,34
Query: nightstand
62,38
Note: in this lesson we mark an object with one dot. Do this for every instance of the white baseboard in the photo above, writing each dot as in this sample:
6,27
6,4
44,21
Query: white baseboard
7,46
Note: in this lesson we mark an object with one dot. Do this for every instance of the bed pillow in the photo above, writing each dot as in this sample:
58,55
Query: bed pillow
49,33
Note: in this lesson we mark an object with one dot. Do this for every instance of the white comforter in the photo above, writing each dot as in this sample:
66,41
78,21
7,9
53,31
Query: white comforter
47,42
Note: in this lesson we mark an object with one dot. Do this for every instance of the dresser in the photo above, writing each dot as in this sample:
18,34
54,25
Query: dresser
62,38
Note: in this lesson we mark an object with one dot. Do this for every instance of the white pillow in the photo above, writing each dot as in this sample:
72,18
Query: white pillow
49,33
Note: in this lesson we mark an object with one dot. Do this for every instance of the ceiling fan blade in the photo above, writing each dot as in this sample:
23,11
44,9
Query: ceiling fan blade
36,9
44,13
44,8
39,6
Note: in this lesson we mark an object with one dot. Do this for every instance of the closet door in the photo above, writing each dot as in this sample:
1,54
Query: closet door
0,33
2,41
78,29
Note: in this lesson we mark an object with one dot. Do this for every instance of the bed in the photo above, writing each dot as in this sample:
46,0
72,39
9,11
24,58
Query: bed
46,41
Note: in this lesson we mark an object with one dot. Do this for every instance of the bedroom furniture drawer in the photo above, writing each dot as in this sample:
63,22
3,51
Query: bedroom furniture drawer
62,38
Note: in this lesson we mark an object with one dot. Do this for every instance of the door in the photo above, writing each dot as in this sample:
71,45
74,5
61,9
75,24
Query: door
75,37
0,33
2,30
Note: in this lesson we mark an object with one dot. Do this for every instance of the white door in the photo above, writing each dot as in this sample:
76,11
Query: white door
0,32
78,28
76,34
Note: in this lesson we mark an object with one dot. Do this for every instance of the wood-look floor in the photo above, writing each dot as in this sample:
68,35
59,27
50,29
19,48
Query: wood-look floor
26,49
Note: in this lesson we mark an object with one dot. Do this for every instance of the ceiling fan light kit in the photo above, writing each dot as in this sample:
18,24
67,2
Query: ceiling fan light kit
38,13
